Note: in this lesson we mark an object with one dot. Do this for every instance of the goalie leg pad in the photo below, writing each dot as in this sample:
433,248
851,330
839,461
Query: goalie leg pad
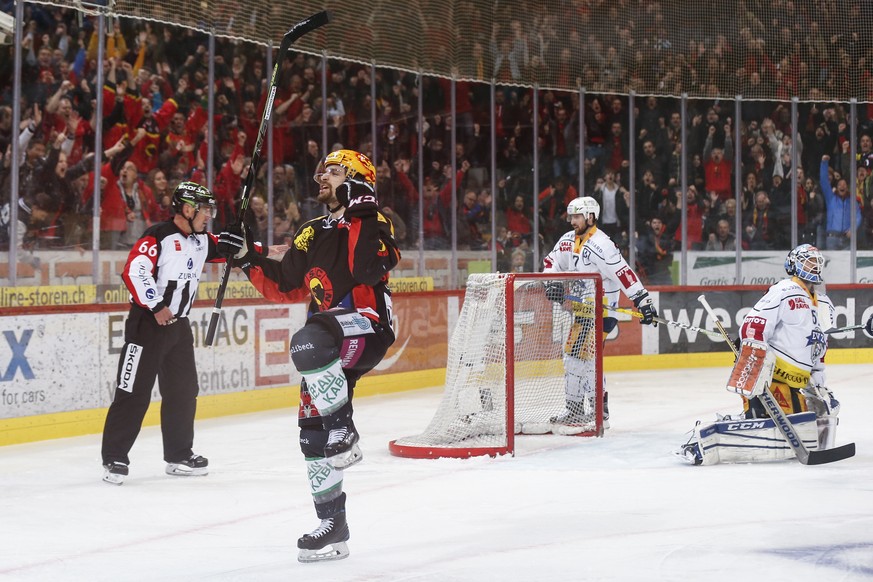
753,370
751,440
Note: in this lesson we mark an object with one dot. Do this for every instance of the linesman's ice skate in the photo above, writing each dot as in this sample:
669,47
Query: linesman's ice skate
326,542
196,466
115,472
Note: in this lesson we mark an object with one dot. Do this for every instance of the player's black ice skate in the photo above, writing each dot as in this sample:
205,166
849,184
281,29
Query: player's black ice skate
575,418
326,542
342,450
573,413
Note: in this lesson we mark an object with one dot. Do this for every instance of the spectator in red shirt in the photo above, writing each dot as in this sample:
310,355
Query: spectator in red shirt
518,218
718,164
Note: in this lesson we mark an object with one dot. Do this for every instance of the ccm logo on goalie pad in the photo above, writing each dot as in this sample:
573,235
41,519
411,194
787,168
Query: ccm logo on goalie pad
746,425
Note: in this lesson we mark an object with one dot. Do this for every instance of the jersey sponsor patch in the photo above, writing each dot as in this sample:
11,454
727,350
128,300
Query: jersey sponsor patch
627,277
753,328
178,246
351,351
354,324
129,366
794,303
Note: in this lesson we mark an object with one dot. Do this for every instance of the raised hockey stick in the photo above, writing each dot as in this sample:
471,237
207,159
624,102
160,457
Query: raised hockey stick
804,455
300,29
639,315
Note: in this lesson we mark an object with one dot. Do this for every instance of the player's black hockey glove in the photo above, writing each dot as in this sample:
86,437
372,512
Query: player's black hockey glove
554,291
232,242
646,308
358,197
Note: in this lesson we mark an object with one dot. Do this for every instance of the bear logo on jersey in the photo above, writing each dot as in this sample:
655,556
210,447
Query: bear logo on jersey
301,243
320,288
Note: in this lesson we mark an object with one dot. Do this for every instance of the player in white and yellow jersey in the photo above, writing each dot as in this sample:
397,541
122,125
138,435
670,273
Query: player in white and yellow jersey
782,348
789,322
586,249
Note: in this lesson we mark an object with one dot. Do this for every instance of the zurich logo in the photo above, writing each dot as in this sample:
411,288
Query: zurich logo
190,264
150,294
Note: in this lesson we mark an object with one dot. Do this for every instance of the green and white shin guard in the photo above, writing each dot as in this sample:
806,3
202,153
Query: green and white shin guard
328,387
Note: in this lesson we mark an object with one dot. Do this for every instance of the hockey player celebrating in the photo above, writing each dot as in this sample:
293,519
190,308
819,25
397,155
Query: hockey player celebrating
586,249
340,262
781,349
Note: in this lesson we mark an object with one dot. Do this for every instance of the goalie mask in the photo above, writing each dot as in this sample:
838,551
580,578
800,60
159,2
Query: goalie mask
356,165
806,263
584,205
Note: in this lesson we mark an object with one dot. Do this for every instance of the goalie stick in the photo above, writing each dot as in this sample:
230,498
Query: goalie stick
842,329
300,29
804,455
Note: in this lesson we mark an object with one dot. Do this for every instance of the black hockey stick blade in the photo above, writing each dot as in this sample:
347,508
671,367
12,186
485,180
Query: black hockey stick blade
804,455
831,455
304,27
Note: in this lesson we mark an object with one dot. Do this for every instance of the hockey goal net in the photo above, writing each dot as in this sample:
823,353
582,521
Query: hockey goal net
521,343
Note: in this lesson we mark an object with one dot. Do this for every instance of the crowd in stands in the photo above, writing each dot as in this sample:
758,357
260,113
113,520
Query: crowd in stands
155,134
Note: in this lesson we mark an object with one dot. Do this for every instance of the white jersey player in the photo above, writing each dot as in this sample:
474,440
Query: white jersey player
789,322
782,349
586,249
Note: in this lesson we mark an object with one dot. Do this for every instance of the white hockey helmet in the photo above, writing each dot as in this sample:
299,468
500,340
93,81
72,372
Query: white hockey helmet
584,205
806,263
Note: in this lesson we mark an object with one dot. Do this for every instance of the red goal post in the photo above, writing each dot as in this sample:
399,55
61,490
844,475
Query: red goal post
518,339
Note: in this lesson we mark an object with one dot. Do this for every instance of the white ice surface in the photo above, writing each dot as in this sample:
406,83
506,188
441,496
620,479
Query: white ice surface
564,508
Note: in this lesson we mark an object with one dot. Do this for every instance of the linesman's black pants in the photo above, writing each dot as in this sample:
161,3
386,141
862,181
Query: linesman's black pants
165,352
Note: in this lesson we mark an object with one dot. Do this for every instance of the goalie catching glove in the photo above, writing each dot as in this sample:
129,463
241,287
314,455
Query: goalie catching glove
644,305
358,197
821,400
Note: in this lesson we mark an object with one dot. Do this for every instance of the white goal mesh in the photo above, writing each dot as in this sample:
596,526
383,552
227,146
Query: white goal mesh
522,341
